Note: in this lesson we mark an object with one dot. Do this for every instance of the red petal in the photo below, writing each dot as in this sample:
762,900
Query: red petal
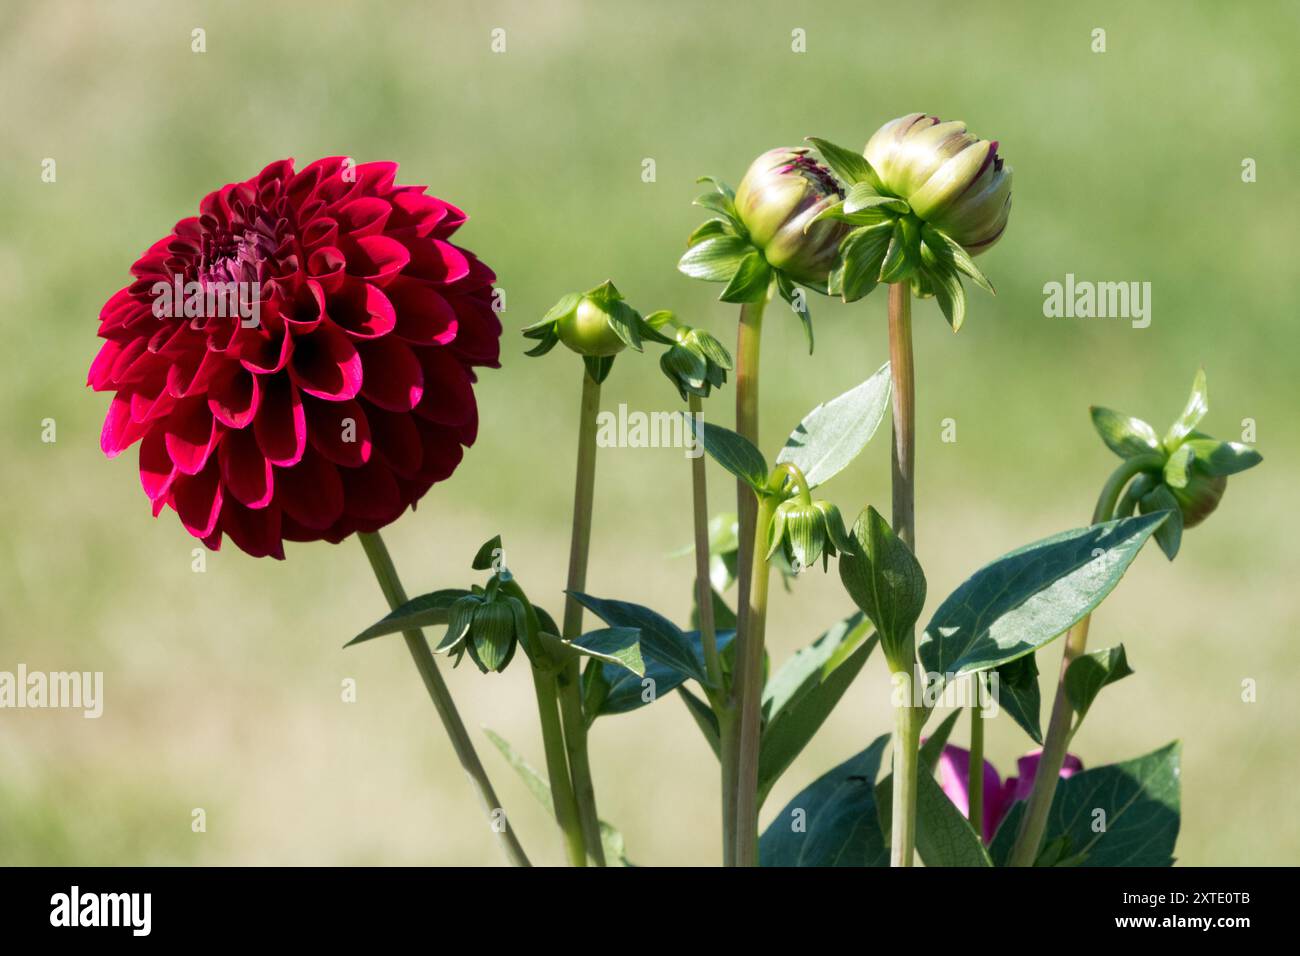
255,532
245,470
397,440
448,391
339,430
478,337
280,424
377,258
362,311
326,364
197,500
442,451
392,378
235,395
156,469
423,316
364,217
311,492
436,261
190,433
370,492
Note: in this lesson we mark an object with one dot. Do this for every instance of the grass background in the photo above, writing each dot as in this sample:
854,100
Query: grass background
223,688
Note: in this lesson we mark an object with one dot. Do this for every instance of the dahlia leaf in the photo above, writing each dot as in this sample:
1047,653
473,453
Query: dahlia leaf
1125,435
427,610
1089,673
835,432
1030,596
750,281
733,452
849,166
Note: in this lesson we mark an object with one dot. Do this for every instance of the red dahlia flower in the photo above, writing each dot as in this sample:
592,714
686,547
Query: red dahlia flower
297,360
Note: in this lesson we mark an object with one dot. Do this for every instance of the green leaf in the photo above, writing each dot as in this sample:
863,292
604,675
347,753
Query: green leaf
1197,406
1178,467
849,166
610,839
427,610
884,579
949,294
945,247
1220,458
718,202
944,837
1140,802
1031,595
802,693
715,259
626,692
832,821
860,257
750,281
1160,500
564,307
798,304
833,433
661,639
863,196
704,719
619,646
1019,696
626,323
1125,435
732,451
1088,674
488,555
598,367
710,229
901,255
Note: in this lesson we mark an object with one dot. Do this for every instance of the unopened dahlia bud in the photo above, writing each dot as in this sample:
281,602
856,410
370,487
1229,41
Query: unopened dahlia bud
595,324
778,201
806,531
487,625
951,178
697,362
1185,473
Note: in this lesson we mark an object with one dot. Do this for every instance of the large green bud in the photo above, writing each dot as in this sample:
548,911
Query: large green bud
596,324
950,178
1185,473
779,200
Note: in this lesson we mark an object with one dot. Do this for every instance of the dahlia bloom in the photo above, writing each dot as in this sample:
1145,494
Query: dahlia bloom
999,795
297,360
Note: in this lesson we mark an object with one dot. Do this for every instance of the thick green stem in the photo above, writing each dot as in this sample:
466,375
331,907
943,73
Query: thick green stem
975,775
748,339
703,586
395,594
575,728
557,767
908,718
1034,822
903,373
750,697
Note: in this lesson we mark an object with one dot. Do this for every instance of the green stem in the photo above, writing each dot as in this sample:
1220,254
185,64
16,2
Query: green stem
907,744
703,585
908,720
395,594
575,728
748,339
557,766
902,371
1033,823
975,775
750,687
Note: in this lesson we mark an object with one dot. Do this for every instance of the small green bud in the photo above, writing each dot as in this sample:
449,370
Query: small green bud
596,324
783,192
807,531
697,362
952,180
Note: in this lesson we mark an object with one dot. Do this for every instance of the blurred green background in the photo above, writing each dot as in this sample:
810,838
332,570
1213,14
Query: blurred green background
223,689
